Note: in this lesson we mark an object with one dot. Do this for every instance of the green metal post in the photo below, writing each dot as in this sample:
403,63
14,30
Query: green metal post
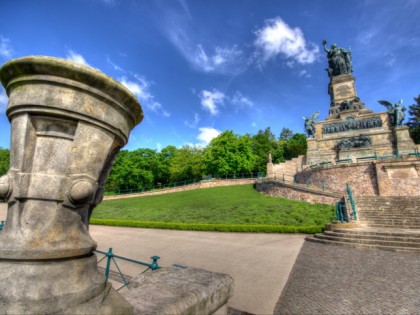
323,185
109,256
374,154
307,182
283,179
154,264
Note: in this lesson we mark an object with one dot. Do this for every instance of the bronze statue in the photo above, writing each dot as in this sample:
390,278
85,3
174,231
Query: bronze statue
310,124
339,60
396,112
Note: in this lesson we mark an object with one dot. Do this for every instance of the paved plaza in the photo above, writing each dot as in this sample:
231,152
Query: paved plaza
328,279
324,279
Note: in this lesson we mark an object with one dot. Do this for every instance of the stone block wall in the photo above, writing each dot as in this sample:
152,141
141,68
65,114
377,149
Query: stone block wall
279,189
391,177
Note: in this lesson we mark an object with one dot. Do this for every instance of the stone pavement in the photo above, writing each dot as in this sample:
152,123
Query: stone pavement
329,279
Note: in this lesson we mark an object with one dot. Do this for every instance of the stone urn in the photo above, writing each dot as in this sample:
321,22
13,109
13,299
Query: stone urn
68,123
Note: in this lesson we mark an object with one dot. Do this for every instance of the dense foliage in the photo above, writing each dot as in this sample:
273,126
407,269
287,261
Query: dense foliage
414,120
228,153
4,161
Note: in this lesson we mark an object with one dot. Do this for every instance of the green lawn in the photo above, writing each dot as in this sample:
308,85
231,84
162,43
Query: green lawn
231,205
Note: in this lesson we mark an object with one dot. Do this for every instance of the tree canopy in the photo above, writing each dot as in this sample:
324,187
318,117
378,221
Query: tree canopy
414,120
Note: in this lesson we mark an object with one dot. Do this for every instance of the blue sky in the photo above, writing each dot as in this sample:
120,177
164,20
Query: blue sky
201,67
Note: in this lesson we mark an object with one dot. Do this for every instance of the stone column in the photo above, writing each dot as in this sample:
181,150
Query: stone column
68,123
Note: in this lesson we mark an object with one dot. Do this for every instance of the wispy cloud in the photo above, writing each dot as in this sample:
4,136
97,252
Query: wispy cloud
6,50
206,134
304,74
194,123
3,100
240,100
212,100
140,87
74,56
114,66
225,60
277,38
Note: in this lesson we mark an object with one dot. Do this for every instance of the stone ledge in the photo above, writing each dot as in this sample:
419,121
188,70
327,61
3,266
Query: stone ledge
175,290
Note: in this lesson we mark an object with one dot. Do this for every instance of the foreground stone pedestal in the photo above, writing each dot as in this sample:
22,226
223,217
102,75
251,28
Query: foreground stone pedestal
175,290
68,123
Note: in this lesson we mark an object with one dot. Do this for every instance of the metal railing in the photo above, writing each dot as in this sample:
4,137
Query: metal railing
110,256
185,183
352,202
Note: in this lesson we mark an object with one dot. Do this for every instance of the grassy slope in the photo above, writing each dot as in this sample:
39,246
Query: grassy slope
232,205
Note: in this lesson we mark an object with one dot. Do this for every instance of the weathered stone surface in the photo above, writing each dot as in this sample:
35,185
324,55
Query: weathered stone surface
176,290
68,123
276,188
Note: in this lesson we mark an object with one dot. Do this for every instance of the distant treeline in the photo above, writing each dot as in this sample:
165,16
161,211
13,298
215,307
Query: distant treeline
228,153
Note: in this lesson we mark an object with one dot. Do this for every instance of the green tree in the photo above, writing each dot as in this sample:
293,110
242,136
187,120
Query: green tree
263,143
295,146
163,175
133,170
229,154
186,164
4,161
414,120
286,134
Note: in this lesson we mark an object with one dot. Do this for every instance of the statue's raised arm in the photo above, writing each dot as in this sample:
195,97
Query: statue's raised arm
324,43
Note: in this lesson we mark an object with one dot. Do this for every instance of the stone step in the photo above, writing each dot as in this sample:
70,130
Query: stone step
380,232
391,221
368,241
381,225
368,246
405,238
389,216
390,211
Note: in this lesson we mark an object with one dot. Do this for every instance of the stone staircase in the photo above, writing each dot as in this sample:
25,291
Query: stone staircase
389,212
387,223
289,167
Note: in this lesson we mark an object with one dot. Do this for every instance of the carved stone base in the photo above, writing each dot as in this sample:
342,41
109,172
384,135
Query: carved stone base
48,291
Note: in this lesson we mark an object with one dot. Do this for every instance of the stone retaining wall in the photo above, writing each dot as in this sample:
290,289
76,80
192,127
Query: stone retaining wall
202,184
361,178
391,177
275,188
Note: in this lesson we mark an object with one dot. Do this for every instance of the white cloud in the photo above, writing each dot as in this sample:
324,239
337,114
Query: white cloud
278,38
207,134
194,123
115,66
254,125
219,61
3,100
6,50
140,87
158,146
304,74
210,100
240,100
74,56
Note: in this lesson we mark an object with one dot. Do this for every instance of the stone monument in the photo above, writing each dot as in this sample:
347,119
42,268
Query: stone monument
68,123
351,131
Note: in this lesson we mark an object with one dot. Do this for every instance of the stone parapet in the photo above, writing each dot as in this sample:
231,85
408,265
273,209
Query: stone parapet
289,191
180,290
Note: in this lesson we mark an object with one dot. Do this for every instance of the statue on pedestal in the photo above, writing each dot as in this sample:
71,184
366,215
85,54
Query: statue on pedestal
396,112
339,60
310,124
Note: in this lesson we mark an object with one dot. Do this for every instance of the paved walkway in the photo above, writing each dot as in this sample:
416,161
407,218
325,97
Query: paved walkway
329,279
260,264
